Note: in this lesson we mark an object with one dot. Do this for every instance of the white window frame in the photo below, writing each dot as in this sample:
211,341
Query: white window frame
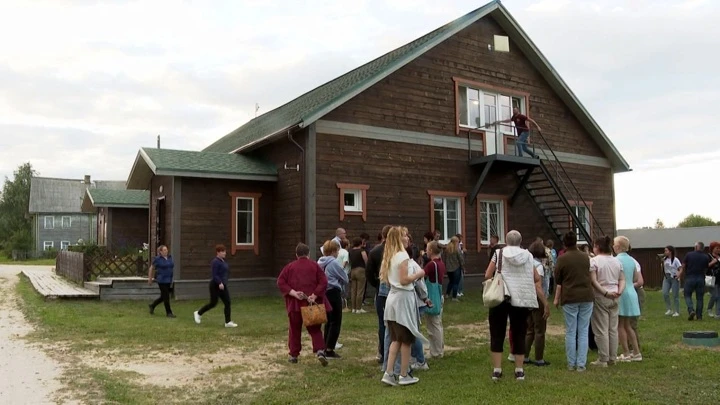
358,206
444,228
506,129
252,219
588,226
484,206
64,244
69,221
52,222
48,244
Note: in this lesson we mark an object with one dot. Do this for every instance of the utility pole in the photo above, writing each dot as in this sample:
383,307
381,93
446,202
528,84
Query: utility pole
158,142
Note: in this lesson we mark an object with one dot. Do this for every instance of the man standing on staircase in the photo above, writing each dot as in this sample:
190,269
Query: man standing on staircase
522,125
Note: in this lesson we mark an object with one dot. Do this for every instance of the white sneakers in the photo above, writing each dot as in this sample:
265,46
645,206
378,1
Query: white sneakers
402,380
198,319
675,314
668,312
419,366
338,346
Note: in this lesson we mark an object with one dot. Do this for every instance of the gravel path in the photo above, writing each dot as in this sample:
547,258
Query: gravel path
27,374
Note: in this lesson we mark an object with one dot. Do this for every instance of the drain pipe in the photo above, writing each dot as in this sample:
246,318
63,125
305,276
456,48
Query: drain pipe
303,187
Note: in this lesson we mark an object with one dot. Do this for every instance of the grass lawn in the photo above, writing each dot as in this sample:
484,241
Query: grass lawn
31,262
118,353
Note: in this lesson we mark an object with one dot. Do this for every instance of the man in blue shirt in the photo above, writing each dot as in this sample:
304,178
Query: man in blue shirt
695,266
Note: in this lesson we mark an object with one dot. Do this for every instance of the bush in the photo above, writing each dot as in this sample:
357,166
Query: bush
21,240
50,253
91,249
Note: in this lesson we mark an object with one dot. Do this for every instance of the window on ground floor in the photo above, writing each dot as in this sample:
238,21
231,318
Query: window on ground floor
64,244
353,199
245,228
492,219
480,104
447,213
583,212
48,244
49,222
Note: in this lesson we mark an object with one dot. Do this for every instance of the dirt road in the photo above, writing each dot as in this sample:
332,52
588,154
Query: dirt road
27,374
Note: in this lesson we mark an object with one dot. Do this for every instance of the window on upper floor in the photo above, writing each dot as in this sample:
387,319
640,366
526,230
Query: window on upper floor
66,222
477,107
49,222
245,216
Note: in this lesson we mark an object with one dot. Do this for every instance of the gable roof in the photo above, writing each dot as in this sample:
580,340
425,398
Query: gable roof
51,195
678,237
95,198
184,163
313,105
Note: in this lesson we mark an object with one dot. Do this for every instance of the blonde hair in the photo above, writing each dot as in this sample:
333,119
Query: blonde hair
330,247
433,248
393,245
623,243
452,246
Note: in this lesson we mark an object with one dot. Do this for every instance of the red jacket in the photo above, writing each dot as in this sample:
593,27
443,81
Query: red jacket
306,276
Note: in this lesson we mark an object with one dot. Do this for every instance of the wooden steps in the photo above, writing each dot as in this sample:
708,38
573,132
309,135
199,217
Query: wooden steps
123,288
53,286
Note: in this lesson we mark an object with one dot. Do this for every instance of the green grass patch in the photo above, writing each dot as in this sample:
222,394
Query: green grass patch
670,374
30,262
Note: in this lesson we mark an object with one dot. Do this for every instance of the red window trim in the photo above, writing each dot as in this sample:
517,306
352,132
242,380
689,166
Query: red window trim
494,197
363,191
589,204
255,247
452,194
457,81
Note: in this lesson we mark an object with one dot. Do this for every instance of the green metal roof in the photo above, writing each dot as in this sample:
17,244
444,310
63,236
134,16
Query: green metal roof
184,163
118,198
305,108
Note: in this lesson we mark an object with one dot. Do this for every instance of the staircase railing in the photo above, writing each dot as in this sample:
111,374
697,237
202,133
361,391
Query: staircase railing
568,189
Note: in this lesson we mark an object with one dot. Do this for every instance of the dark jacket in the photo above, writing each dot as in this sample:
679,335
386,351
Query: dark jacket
220,271
372,268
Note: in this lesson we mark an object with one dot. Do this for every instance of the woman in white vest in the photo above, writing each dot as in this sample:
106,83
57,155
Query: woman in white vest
525,288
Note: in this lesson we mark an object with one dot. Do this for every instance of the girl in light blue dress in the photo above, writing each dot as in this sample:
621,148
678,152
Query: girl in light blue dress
629,306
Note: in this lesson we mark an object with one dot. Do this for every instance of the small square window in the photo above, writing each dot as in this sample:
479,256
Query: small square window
48,244
352,200
64,244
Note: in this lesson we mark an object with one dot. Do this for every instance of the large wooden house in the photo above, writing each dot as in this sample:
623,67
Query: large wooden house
399,140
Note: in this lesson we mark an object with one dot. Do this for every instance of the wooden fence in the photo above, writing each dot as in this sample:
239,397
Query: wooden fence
79,267
70,265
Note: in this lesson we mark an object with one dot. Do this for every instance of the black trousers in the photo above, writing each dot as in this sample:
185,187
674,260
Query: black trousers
164,297
215,293
498,323
332,327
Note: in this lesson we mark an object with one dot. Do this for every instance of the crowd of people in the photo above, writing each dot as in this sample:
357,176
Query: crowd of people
599,290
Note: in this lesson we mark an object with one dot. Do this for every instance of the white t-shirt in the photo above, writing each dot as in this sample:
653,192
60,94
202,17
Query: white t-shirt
394,276
608,270
539,267
344,259
671,267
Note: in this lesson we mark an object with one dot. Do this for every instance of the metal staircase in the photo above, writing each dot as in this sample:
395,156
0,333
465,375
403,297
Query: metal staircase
558,199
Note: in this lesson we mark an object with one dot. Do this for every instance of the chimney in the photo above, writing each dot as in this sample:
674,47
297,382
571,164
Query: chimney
87,179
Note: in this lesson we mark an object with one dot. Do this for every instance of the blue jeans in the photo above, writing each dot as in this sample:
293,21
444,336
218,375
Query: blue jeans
380,309
715,299
453,283
522,144
416,350
577,322
546,284
460,284
696,285
668,284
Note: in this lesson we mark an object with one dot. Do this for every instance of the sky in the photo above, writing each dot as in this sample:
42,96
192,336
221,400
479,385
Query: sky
85,83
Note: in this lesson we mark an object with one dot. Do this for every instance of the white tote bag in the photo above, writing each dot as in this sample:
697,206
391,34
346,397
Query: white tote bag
495,291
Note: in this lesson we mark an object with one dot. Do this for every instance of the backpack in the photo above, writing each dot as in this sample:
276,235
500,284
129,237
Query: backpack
434,293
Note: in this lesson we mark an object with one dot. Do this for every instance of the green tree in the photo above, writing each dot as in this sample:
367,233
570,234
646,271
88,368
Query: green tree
694,221
659,224
15,223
